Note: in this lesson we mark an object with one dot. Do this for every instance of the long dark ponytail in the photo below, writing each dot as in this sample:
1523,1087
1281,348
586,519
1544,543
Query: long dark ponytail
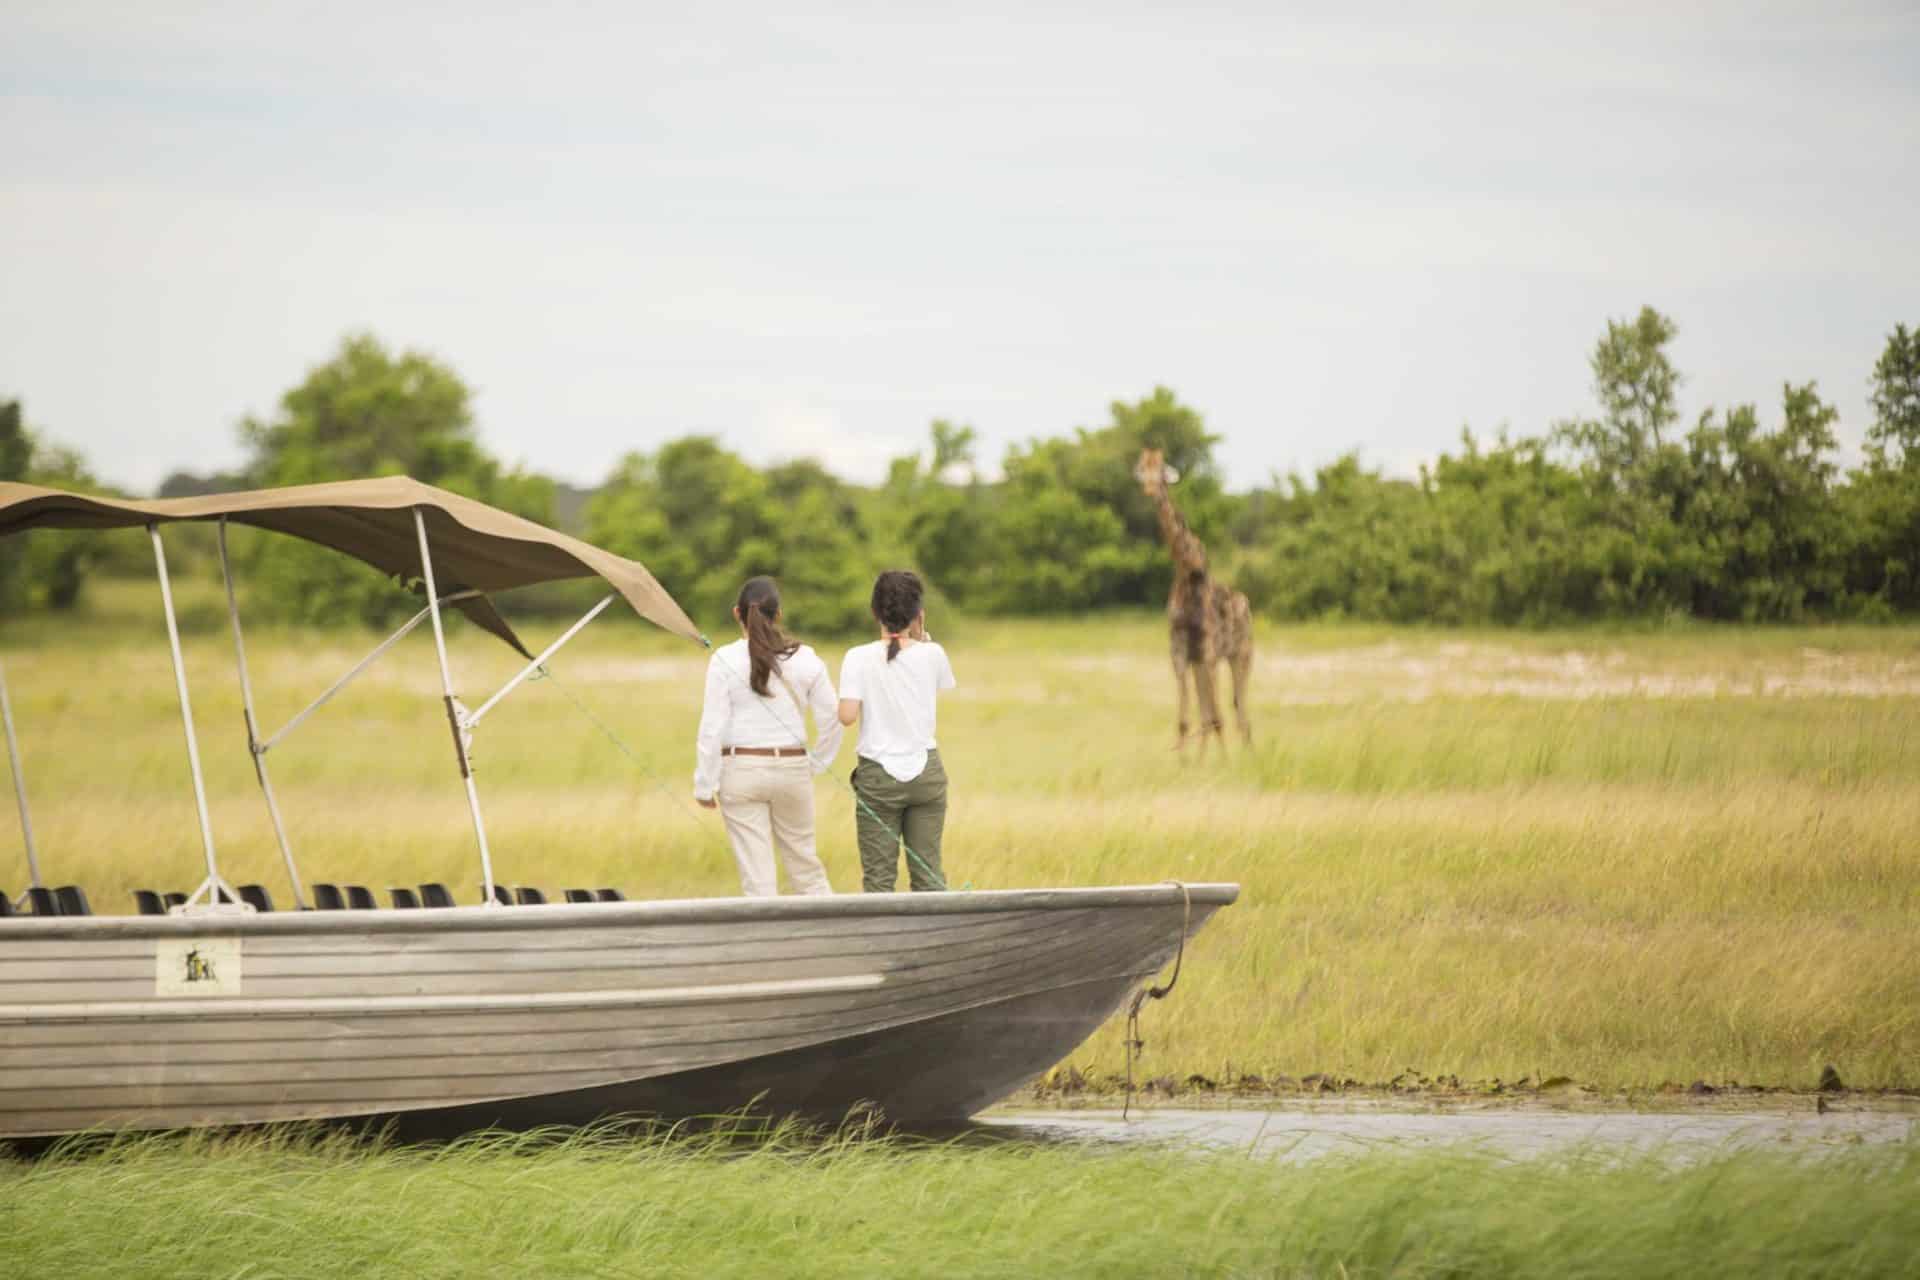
759,610
896,603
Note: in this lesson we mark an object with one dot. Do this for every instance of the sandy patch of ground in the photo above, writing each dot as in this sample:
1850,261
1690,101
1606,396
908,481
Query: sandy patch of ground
1394,672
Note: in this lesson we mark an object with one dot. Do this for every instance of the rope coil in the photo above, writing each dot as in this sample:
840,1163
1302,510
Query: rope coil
1134,1044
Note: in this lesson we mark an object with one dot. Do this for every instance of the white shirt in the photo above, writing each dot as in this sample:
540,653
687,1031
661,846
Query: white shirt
733,715
896,702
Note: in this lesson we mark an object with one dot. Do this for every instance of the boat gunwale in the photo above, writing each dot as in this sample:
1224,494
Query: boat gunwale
564,915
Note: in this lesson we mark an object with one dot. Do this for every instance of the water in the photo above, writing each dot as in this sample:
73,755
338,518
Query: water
1301,1134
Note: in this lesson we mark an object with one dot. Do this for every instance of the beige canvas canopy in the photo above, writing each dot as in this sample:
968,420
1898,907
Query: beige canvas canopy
474,546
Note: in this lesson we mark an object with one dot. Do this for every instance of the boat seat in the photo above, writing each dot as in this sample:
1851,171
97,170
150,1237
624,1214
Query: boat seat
501,896
6,904
528,896
326,897
42,901
435,895
149,902
256,896
73,900
173,899
405,899
579,895
360,898
610,895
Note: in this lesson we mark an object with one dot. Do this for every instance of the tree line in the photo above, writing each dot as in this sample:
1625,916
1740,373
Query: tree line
1626,513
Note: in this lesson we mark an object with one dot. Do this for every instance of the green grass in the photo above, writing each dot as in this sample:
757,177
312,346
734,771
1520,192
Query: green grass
1628,857
795,1205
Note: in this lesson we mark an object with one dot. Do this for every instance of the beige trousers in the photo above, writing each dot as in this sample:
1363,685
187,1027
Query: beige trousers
767,802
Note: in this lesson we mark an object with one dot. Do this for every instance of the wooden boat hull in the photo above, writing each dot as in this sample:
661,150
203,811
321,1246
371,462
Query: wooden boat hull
926,1006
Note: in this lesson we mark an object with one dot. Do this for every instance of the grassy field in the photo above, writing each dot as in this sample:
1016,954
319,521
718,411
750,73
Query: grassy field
1628,858
597,1206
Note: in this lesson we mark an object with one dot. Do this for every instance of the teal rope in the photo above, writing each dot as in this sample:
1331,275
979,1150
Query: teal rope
680,803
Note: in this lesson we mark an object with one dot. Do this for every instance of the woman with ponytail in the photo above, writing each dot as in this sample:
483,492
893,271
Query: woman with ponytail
751,757
891,687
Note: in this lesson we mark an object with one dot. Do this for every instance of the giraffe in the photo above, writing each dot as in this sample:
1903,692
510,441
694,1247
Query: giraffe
1209,621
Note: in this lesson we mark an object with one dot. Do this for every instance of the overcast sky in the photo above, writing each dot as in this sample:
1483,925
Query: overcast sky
1328,228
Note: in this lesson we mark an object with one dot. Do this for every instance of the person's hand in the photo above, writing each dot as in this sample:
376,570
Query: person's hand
919,628
707,804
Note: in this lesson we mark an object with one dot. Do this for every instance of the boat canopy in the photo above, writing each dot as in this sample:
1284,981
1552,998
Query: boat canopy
475,547
413,532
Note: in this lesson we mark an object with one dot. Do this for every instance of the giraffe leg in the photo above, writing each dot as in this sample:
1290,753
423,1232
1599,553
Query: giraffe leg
1241,665
1180,683
1209,706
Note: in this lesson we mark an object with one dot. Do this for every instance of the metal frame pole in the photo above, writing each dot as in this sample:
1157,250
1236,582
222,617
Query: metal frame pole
254,749
19,781
453,710
537,663
186,712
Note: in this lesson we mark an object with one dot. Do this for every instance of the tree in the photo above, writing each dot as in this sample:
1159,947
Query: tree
1896,398
704,520
367,412
952,447
1635,382
47,567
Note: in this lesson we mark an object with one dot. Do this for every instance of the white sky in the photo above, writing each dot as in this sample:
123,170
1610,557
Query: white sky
1327,228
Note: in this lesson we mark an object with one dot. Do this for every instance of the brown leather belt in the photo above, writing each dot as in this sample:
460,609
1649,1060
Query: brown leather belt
779,752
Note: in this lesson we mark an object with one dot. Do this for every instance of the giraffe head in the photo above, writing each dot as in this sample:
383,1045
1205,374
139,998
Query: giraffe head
1153,473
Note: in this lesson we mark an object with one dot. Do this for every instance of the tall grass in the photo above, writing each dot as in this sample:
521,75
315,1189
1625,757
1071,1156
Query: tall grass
597,1205
1629,858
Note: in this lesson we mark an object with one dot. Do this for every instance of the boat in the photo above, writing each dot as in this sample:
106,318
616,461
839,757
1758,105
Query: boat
434,1017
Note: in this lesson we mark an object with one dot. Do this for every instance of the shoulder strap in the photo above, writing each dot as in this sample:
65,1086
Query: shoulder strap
797,705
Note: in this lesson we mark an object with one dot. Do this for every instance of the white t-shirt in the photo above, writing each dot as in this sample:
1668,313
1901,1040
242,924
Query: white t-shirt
896,702
733,715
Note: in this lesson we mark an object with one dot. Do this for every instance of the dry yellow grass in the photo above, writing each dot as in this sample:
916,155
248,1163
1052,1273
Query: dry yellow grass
1623,858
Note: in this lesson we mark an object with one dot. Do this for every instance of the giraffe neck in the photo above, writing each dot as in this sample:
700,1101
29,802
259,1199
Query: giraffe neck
1188,554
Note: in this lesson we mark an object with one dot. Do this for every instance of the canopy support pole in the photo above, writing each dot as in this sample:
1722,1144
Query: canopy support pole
254,749
453,710
19,781
214,886
406,629
538,662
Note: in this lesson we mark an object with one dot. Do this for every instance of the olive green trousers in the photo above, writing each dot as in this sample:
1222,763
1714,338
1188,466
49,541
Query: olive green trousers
886,812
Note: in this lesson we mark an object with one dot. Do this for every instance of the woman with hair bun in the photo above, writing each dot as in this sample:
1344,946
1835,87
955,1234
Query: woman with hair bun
891,688
751,757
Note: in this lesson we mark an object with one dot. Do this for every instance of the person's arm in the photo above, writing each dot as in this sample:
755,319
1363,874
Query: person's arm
852,688
714,714
826,721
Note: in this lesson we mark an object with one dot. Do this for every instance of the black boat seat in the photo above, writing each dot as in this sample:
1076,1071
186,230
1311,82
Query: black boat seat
501,896
435,895
405,899
528,896
326,897
610,895
73,900
360,898
579,895
149,902
42,901
256,896
6,904
174,899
